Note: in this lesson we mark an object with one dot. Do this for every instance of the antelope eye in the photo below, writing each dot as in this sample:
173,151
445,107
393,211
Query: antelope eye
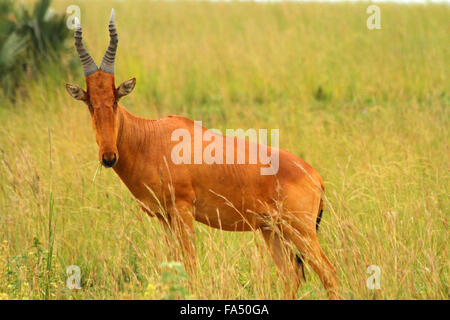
90,105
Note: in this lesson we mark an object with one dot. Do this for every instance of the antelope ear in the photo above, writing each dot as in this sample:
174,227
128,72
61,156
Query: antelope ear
76,92
125,88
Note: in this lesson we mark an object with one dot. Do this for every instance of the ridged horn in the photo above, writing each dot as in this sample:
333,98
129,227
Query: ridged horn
107,64
89,66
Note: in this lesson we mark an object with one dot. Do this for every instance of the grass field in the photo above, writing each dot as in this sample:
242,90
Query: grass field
369,109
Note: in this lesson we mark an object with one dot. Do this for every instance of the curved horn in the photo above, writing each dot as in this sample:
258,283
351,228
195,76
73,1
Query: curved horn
107,64
89,66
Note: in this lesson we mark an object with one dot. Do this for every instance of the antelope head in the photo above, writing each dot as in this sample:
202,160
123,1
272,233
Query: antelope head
101,95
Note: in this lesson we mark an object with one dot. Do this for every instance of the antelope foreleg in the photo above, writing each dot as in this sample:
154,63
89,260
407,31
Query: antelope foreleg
181,224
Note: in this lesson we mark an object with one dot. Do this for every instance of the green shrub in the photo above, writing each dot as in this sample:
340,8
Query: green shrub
28,39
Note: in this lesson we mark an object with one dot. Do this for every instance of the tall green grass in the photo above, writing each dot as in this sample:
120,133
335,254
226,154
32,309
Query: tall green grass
368,109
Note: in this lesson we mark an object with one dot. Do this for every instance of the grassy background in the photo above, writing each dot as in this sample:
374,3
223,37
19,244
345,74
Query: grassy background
368,109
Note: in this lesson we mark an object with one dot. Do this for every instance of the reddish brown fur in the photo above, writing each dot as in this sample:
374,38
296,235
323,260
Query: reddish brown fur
234,197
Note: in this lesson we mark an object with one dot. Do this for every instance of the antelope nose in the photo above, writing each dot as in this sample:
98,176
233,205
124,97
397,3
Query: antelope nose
109,159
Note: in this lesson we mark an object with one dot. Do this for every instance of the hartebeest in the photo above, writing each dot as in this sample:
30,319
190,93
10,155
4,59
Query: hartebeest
286,207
